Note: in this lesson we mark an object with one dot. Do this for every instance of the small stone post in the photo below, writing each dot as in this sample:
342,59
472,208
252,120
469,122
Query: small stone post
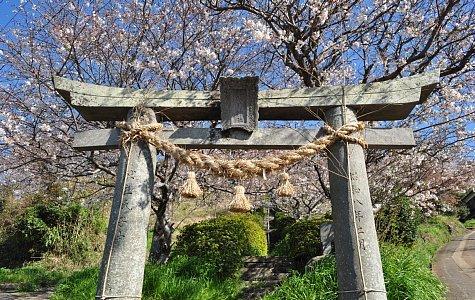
359,269
123,262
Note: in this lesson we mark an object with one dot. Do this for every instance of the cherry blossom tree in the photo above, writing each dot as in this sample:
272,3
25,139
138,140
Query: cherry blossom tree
166,45
189,45
344,42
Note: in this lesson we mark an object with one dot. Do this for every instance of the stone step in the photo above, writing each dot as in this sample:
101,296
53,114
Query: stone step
264,284
265,271
266,259
265,268
256,293
264,276
266,264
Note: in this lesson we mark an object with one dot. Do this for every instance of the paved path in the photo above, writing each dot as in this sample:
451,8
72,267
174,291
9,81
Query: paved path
455,266
8,292
25,296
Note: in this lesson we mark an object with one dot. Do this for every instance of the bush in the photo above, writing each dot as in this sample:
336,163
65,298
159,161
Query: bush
397,222
280,222
223,241
301,240
52,227
469,223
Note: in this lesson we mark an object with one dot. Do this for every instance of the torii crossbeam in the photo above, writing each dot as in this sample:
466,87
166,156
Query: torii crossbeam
239,106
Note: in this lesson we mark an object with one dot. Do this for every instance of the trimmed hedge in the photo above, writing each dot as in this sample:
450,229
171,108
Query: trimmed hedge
223,241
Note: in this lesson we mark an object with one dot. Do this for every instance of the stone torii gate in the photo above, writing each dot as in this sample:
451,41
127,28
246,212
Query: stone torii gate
239,106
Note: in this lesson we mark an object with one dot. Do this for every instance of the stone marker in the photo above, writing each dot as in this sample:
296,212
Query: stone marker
327,237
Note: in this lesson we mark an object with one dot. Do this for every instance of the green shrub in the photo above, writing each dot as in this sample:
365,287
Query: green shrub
469,223
223,241
397,222
280,222
301,240
58,228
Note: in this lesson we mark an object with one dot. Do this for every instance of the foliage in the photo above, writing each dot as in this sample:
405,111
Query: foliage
31,278
301,240
397,221
121,43
186,278
318,284
469,223
408,276
280,222
406,268
223,241
80,285
462,211
181,278
58,227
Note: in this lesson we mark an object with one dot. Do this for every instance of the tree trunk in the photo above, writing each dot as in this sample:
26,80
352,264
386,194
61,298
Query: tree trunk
162,240
163,229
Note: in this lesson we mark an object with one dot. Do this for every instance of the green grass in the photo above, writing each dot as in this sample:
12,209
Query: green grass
31,278
406,269
469,223
317,284
181,278
81,285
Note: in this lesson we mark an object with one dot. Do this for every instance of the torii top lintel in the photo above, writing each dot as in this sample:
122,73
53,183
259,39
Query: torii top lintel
390,100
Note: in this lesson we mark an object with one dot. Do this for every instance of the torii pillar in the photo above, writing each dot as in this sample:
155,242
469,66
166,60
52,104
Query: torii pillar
360,272
123,262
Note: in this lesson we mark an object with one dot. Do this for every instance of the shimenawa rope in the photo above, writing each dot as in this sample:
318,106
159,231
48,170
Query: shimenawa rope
241,168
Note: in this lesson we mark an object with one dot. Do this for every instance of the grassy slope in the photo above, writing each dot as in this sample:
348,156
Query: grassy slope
407,269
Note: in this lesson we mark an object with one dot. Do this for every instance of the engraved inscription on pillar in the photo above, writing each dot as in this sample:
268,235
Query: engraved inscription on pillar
239,108
358,211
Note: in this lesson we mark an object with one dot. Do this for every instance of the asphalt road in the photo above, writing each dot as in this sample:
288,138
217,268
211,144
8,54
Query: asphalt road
455,266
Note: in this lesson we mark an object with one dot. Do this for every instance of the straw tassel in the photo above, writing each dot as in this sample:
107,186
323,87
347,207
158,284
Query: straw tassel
286,189
240,202
190,188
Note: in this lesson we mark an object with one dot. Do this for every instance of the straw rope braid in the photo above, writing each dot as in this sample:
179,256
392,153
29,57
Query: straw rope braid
241,168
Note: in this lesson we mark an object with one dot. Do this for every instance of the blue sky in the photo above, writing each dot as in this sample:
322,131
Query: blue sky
6,12
7,15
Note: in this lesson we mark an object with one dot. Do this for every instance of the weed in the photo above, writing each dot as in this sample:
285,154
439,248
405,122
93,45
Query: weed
31,278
